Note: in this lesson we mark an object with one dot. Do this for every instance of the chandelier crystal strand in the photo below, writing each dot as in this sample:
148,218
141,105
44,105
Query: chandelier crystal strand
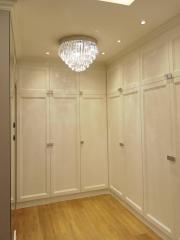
78,54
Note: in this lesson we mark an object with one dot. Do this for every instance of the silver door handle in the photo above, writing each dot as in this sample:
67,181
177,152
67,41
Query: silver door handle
171,158
121,144
50,144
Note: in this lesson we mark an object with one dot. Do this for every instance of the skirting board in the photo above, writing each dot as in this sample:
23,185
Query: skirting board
141,217
61,198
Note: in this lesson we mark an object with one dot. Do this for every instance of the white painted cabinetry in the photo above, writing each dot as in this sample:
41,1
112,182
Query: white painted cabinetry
150,132
33,162
93,130
52,115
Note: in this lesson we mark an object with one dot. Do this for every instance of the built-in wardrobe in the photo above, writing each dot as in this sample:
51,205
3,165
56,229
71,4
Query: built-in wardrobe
109,130
144,131
61,131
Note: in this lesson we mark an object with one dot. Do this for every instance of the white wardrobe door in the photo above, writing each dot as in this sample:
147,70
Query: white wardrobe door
157,145
94,167
33,164
13,147
132,149
115,138
65,166
177,111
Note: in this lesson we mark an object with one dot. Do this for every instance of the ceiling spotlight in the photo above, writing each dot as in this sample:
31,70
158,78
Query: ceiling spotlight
47,53
143,22
103,53
118,41
122,2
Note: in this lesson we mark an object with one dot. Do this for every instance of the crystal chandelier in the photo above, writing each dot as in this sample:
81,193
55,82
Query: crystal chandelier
78,52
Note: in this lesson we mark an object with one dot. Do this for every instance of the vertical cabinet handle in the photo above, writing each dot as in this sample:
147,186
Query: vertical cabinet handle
171,158
121,144
50,144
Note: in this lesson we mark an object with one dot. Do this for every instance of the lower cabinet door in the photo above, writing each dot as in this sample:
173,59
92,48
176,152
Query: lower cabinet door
33,158
132,149
159,207
94,165
65,164
116,142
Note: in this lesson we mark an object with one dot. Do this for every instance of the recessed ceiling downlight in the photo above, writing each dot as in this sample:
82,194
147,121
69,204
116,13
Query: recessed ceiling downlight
122,2
78,52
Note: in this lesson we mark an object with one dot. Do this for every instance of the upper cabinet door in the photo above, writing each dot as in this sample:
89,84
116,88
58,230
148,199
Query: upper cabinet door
116,141
94,165
155,60
93,80
158,175
131,75
132,149
65,164
33,78
63,79
175,50
114,78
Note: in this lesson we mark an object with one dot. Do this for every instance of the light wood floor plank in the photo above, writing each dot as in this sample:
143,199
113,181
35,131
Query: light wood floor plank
96,218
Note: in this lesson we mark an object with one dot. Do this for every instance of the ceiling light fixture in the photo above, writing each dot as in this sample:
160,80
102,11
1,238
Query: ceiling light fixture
143,22
103,53
78,52
47,53
118,41
122,2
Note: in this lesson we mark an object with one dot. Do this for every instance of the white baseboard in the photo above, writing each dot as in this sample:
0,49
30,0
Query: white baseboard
61,198
141,217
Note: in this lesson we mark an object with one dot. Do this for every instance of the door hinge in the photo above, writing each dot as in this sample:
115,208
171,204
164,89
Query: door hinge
81,93
120,90
169,76
14,125
50,92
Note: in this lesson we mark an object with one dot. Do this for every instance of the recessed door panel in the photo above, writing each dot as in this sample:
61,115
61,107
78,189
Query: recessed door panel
116,141
155,61
94,171
131,70
132,150
63,79
33,162
157,145
65,166
114,78
93,80
33,78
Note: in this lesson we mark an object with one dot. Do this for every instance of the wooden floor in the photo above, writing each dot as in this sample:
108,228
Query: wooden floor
95,218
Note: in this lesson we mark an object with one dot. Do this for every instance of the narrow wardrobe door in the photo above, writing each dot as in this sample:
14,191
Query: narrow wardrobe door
158,155
33,175
132,149
33,134
65,167
116,143
94,171
177,128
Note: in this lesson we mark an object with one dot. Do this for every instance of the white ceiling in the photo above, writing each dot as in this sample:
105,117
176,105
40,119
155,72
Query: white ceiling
41,23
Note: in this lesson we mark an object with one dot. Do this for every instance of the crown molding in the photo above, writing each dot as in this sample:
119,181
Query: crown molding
173,22
7,5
